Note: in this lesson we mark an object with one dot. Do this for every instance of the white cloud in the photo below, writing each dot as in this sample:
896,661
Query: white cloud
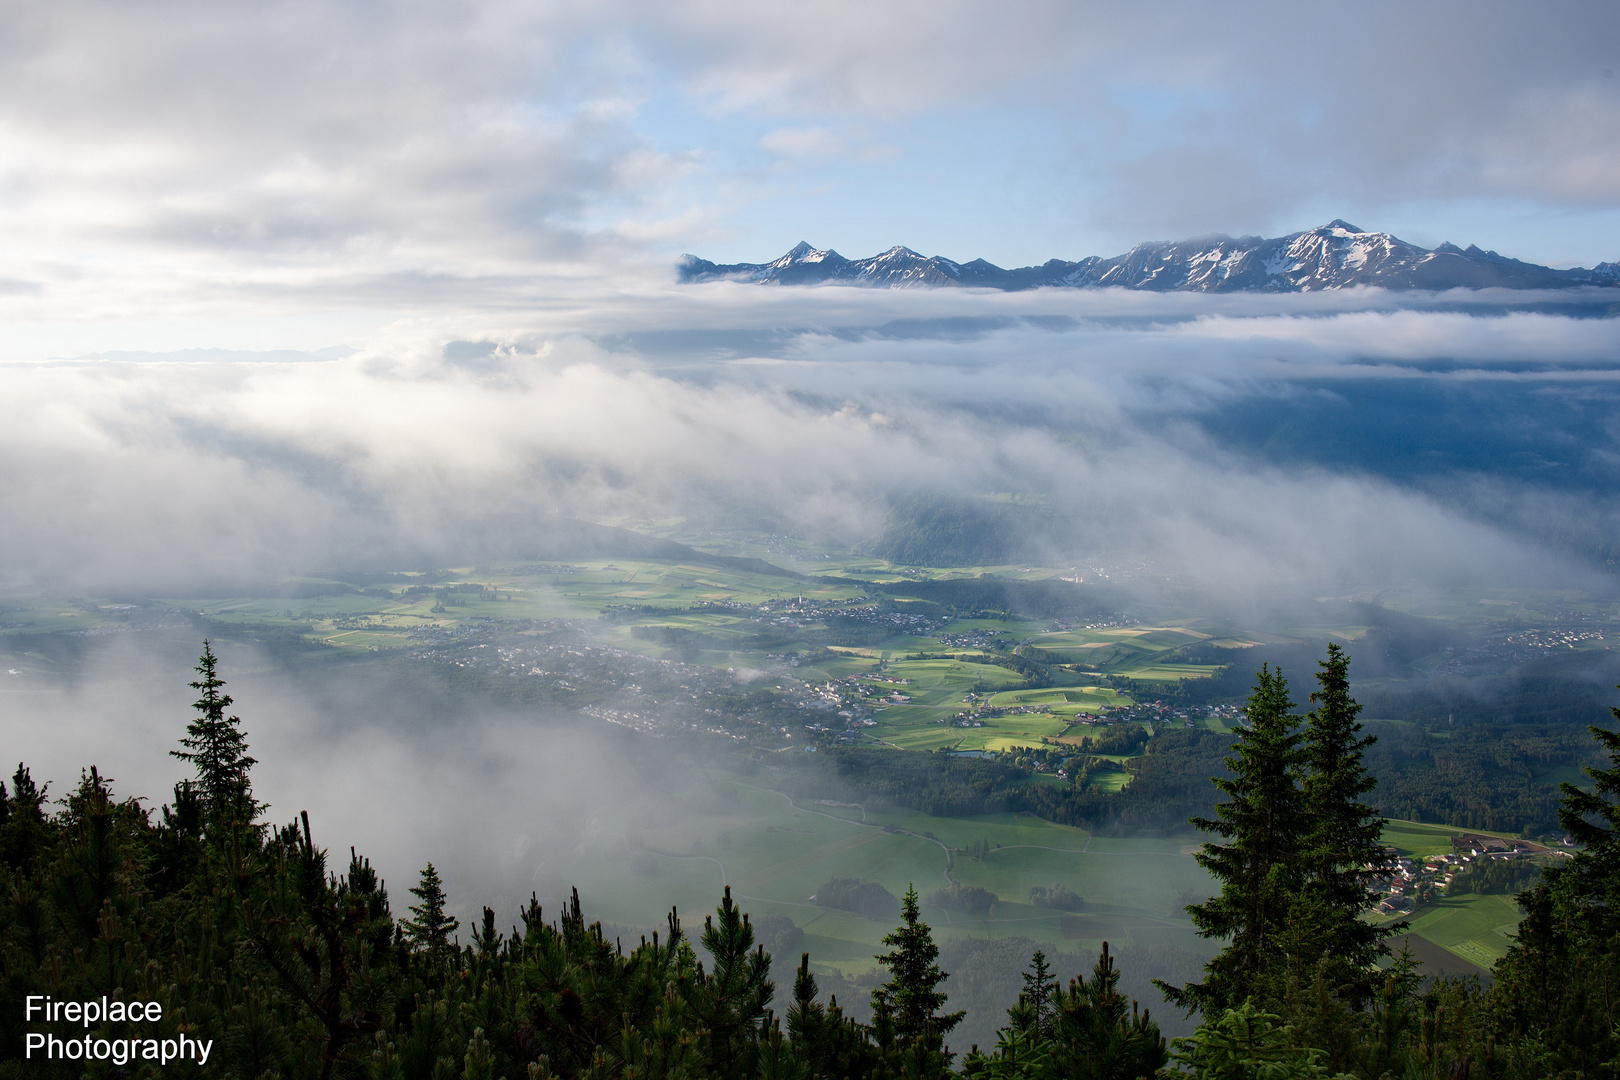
153,470
1198,117
820,143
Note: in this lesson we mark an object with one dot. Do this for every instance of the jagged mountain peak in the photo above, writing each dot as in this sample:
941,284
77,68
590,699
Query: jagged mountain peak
802,252
1336,255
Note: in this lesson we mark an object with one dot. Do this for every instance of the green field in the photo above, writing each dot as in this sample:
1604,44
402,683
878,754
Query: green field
775,854
943,683
909,731
1060,698
1476,928
1134,651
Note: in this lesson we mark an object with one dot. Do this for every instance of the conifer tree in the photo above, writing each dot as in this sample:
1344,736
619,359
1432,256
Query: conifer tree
216,746
1561,977
731,1004
486,938
1592,819
1263,824
1091,1033
430,928
1039,989
1095,1035
1344,846
1248,1042
909,1003
24,831
806,1015
822,1037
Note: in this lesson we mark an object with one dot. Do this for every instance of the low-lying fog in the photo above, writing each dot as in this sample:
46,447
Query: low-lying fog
1293,442
401,775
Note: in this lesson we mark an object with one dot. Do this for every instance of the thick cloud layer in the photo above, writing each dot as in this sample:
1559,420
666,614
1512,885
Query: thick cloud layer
807,411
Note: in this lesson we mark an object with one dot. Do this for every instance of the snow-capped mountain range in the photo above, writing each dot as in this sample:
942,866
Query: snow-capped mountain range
1335,256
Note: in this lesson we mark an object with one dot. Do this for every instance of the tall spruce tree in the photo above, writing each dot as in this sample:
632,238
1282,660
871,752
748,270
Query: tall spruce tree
430,928
1259,865
217,747
1343,849
908,1004
1040,988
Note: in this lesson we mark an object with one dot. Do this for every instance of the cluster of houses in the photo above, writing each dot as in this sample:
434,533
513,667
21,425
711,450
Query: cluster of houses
1552,638
984,639
1161,712
1412,881
890,696
1522,645
976,717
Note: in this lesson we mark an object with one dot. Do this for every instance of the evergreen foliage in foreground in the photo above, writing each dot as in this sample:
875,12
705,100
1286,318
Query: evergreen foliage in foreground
1085,1032
1297,992
906,1015
1263,824
1560,983
1300,852
294,969
1343,844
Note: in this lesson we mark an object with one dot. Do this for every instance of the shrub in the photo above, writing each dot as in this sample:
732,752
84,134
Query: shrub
861,897
1057,897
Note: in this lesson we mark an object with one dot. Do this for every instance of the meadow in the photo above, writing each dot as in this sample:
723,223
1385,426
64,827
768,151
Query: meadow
1135,651
775,852
1477,928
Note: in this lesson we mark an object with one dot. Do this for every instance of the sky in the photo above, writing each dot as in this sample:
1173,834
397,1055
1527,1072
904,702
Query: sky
297,175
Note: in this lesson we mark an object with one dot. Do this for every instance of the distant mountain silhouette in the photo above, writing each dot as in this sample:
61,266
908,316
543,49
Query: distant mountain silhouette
1335,256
